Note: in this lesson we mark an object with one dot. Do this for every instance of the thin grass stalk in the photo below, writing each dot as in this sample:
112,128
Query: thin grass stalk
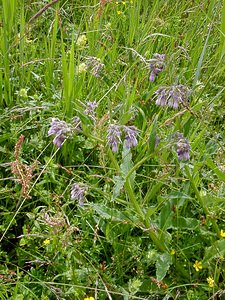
9,11
222,32
200,61
50,55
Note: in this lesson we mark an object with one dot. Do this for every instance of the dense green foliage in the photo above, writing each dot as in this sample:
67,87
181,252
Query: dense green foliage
152,224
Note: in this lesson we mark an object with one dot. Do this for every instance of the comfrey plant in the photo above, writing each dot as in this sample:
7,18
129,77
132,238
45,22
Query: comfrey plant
156,65
130,136
94,65
182,147
78,193
114,136
61,130
172,96
90,109
115,133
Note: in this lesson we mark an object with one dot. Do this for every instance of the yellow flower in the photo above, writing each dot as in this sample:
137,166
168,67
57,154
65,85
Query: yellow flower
172,252
89,298
46,242
222,233
119,12
210,281
197,265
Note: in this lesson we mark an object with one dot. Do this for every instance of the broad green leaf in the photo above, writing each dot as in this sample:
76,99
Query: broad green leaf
163,263
166,215
119,182
109,213
185,223
127,163
216,250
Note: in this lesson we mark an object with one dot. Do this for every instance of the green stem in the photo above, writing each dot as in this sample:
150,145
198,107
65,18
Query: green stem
159,244
201,201
133,200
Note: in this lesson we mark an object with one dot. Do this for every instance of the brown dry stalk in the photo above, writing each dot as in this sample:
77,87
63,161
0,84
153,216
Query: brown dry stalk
41,11
102,3
23,173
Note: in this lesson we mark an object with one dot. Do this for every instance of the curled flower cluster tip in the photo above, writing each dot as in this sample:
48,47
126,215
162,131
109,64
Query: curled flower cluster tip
115,133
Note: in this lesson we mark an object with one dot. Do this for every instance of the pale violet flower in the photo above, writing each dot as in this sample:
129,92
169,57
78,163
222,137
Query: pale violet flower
130,136
78,193
172,96
94,65
182,146
156,65
115,133
90,109
60,130
114,136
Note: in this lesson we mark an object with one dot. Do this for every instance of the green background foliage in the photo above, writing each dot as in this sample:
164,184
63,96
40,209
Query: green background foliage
148,217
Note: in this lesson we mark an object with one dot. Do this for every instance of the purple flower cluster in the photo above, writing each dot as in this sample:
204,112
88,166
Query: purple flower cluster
90,109
182,147
130,136
78,193
114,136
115,133
156,65
172,96
94,65
60,129
76,123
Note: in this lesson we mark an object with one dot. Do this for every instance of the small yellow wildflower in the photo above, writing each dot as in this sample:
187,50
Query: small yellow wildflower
197,265
89,298
119,12
222,233
46,242
210,281
172,252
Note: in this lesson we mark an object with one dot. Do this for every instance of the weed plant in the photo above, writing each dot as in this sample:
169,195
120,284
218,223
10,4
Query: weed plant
112,149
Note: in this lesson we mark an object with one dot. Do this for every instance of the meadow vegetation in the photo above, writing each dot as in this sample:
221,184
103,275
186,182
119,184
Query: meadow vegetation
112,149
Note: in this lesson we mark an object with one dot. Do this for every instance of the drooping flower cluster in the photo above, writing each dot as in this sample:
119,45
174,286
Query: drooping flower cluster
172,96
78,193
76,123
60,129
130,136
90,109
156,65
114,136
94,65
115,133
182,147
